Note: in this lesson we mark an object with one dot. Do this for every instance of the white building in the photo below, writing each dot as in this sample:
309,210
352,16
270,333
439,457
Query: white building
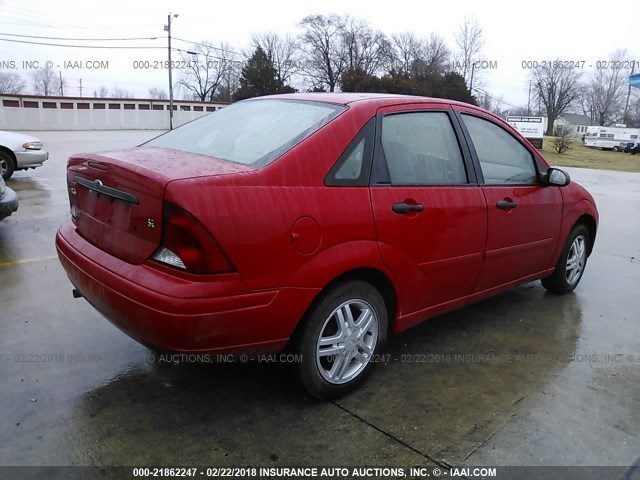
32,112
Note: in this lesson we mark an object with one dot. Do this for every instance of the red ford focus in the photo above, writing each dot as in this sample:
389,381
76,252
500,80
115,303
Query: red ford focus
318,222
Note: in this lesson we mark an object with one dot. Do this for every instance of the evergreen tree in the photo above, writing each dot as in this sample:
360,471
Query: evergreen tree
357,80
259,77
396,81
453,87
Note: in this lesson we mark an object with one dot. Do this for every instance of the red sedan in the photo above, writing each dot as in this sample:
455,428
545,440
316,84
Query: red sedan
318,222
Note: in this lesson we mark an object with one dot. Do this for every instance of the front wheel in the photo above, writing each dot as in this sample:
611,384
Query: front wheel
7,165
571,264
342,332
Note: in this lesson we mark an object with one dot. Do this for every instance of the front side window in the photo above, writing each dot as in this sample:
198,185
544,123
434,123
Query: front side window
503,159
252,132
421,148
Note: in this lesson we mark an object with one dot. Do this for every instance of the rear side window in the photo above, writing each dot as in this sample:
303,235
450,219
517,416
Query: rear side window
353,168
503,159
252,132
421,148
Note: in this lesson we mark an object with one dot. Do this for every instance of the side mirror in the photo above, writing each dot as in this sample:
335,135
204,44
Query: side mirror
557,178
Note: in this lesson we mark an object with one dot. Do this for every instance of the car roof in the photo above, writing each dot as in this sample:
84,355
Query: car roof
342,98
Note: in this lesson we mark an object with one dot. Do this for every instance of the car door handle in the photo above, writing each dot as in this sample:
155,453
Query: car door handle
506,204
403,208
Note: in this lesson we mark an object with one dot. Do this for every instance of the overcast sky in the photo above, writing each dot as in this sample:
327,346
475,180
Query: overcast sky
514,32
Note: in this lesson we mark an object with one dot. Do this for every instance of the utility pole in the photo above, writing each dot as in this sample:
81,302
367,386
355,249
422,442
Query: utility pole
626,105
61,86
80,87
167,28
473,67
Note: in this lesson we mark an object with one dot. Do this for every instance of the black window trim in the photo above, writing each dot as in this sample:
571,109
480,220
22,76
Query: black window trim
380,172
539,167
368,132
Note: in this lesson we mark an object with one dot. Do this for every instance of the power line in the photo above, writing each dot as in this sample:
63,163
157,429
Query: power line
209,46
78,39
79,46
484,92
30,24
189,52
38,18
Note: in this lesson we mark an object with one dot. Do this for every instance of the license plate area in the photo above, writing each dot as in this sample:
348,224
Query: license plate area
108,210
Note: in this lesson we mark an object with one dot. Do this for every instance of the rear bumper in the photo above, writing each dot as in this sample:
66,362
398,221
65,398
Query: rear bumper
8,203
215,314
31,158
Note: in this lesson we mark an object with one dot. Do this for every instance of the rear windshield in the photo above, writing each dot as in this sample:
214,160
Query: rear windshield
253,132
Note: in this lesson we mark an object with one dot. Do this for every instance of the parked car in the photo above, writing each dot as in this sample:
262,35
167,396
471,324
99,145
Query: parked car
19,152
8,200
628,146
319,223
623,146
635,148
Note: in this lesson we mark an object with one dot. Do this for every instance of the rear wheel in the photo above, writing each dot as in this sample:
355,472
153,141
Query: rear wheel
571,264
342,332
7,165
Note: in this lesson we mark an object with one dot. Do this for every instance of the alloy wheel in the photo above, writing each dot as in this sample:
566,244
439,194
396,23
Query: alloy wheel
347,341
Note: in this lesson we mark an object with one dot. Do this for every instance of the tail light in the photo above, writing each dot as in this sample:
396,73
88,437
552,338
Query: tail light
187,245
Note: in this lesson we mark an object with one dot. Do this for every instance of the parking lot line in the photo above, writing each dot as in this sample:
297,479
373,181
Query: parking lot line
27,260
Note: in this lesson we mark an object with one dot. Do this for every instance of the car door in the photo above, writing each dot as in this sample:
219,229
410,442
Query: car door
524,216
430,213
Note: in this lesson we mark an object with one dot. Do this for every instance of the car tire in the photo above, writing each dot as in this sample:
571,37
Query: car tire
571,264
7,165
343,331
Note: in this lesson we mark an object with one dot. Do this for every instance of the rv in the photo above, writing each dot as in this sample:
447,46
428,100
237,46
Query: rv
610,138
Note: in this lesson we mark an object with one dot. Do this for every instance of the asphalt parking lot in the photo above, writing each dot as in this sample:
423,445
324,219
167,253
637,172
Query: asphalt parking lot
524,378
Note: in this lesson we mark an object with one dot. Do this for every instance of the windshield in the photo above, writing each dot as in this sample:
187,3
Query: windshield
253,132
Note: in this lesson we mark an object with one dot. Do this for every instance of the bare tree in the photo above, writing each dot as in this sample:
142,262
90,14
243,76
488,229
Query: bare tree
435,56
45,82
102,92
415,56
322,41
563,140
485,101
556,89
603,96
282,51
469,42
206,69
118,92
633,113
520,112
229,84
11,83
365,49
158,94
407,48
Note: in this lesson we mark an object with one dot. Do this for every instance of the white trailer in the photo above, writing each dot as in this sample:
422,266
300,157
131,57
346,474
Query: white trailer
610,138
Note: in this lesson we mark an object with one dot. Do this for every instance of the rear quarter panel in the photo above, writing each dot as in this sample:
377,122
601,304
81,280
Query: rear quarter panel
252,214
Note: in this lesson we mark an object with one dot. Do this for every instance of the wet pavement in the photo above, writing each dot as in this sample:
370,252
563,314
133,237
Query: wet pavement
524,378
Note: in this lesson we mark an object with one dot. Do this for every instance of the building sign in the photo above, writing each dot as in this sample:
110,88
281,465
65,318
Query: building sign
634,80
531,128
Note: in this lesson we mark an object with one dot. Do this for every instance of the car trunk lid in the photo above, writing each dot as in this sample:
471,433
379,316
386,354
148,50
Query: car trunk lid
117,197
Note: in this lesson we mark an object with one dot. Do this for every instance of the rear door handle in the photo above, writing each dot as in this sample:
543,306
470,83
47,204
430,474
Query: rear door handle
506,204
403,208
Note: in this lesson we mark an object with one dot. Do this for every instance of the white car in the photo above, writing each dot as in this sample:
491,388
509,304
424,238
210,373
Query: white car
19,152
8,200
